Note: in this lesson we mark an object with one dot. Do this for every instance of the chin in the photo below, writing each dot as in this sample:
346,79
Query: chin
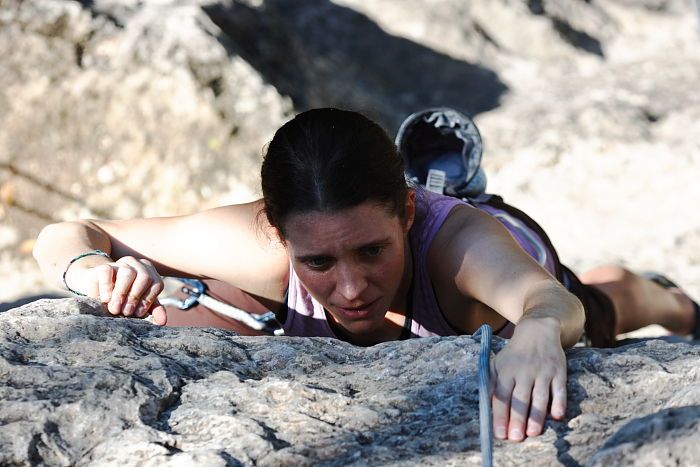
357,322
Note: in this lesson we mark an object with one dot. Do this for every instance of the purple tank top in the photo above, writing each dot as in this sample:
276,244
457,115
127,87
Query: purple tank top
306,316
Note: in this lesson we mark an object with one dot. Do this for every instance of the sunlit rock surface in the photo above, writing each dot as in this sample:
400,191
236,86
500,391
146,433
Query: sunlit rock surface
80,389
118,108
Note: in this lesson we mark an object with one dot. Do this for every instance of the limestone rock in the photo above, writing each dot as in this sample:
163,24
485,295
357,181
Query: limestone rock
123,88
120,108
79,388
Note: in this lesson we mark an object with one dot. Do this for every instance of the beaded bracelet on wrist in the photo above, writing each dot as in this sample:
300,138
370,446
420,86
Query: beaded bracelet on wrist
89,253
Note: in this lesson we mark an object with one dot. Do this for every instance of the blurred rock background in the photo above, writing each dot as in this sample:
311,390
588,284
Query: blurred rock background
590,110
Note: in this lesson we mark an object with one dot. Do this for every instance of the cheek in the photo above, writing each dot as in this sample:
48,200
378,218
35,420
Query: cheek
390,271
318,285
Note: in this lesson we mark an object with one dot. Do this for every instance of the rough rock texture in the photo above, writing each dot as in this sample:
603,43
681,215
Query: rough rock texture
117,108
80,389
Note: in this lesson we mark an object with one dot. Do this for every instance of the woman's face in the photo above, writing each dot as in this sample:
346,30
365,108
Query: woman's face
351,261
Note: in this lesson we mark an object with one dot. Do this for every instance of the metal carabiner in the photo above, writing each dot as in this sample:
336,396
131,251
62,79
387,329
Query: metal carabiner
196,291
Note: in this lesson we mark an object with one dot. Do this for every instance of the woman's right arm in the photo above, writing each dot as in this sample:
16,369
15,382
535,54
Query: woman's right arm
233,244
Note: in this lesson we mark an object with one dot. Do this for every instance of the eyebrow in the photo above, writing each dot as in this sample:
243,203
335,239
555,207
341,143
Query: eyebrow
381,241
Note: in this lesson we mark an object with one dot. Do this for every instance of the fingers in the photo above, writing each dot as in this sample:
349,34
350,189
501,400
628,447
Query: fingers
159,315
149,299
559,395
145,288
500,404
538,407
122,286
130,287
519,404
105,282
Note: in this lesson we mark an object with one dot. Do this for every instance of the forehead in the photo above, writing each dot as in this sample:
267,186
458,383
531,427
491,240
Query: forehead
348,228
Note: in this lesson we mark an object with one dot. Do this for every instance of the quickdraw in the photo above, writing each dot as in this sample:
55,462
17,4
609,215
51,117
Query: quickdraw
196,291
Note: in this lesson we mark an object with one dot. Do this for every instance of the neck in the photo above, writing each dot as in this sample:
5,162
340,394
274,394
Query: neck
400,303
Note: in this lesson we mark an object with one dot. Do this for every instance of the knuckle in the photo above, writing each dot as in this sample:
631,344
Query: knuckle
133,298
155,289
127,271
118,293
102,268
500,421
522,390
142,282
540,394
502,392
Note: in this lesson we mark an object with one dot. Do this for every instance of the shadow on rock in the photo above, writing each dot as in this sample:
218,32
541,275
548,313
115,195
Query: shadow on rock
575,394
4,306
322,54
659,434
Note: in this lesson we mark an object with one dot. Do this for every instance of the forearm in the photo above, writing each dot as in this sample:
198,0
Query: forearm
57,244
550,308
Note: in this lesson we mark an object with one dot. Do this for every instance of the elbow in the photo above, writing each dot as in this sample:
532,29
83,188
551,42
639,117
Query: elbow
43,241
53,238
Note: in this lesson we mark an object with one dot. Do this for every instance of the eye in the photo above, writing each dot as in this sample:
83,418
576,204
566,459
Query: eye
318,263
373,251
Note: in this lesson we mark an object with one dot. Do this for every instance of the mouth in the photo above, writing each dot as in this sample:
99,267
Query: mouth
357,312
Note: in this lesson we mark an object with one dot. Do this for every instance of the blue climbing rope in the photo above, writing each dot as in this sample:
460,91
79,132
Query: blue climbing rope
485,418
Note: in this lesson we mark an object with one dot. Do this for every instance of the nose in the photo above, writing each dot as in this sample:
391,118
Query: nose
350,283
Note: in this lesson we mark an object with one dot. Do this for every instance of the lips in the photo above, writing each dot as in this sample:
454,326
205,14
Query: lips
357,312
359,308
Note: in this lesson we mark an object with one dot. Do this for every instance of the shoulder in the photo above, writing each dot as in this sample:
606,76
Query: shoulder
453,265
432,211
461,223
475,256
468,243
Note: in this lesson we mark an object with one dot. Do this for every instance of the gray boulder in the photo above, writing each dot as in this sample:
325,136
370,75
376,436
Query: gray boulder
77,388
123,108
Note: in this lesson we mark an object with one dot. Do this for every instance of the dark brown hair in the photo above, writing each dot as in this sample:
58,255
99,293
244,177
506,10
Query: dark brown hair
327,160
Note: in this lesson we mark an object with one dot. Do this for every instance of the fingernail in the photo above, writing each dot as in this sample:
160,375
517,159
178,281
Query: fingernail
500,432
141,310
115,306
128,309
516,434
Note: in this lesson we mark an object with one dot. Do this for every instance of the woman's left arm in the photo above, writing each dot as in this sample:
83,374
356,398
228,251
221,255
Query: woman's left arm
533,365
488,265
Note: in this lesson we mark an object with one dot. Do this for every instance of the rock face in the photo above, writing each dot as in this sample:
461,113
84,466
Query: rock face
588,110
80,389
121,108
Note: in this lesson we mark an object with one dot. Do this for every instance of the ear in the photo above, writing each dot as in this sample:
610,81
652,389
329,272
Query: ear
409,210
